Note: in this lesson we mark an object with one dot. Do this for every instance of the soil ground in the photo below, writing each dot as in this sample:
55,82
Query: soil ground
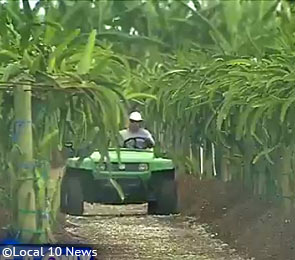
247,223
128,233
251,225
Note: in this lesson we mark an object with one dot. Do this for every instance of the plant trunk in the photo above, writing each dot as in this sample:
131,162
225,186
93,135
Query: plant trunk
248,149
285,173
208,161
218,155
235,167
196,159
262,181
225,164
26,195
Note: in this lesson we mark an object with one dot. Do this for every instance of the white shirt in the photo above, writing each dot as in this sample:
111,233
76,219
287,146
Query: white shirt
144,133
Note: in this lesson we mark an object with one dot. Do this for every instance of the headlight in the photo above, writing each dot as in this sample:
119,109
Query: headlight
122,167
143,167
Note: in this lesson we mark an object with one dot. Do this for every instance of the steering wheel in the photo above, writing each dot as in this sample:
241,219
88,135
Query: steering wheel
146,141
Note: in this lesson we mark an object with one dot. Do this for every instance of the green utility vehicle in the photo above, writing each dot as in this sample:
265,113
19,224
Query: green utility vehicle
142,177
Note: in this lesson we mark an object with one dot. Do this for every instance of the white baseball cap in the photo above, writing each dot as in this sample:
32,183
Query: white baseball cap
135,116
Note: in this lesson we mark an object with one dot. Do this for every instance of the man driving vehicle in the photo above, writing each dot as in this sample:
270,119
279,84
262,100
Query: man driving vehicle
136,136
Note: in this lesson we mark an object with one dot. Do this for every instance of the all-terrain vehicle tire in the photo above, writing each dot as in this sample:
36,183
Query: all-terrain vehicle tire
63,197
167,200
72,197
152,208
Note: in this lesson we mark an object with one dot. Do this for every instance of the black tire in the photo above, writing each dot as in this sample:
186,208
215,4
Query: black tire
167,200
72,197
152,207
63,197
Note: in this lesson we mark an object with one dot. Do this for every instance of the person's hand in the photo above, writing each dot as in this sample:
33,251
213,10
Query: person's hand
149,143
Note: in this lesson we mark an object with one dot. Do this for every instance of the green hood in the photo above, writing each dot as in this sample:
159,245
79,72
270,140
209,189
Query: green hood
126,155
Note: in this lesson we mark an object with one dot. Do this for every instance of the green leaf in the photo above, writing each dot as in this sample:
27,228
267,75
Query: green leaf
7,55
60,48
11,71
27,59
274,79
49,30
46,79
264,153
224,111
240,130
27,9
118,188
37,64
101,64
245,62
46,143
285,107
257,114
232,14
13,9
172,72
140,95
86,61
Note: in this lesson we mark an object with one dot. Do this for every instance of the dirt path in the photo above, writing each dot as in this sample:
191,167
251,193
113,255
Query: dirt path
126,232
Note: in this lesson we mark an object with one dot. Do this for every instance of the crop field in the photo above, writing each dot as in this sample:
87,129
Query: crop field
214,82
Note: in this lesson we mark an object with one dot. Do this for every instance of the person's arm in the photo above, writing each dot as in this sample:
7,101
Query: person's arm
150,137
121,138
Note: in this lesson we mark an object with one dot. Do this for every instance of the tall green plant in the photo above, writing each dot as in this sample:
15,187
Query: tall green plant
236,97
68,84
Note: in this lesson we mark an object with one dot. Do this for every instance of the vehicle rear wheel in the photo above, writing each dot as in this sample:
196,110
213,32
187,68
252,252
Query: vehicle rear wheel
72,197
167,199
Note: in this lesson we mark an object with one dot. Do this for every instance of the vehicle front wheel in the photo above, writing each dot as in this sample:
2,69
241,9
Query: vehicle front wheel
166,200
72,197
